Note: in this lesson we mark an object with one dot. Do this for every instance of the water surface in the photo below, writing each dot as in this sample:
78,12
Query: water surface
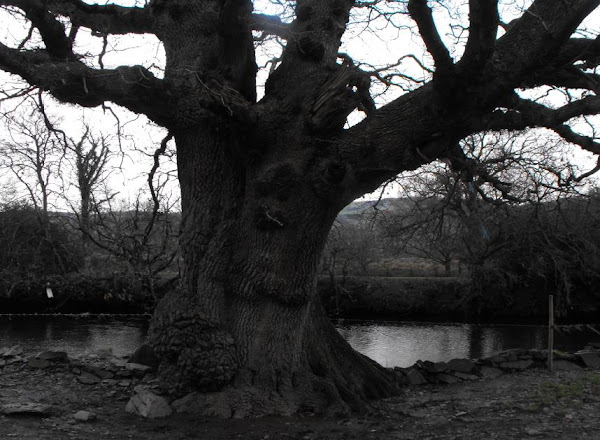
389,343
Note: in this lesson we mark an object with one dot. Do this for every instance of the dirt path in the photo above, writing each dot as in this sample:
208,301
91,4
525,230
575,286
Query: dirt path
530,404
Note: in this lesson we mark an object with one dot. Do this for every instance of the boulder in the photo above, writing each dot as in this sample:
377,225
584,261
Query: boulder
84,416
147,404
591,359
461,365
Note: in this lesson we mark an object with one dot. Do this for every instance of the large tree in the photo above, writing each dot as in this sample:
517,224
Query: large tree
262,181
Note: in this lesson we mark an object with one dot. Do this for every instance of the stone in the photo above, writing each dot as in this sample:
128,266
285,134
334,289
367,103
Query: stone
3,350
464,376
144,355
100,372
496,359
132,366
88,378
124,373
516,365
447,378
49,355
29,409
13,351
490,372
591,359
565,365
461,365
84,416
430,367
415,377
124,383
34,362
147,404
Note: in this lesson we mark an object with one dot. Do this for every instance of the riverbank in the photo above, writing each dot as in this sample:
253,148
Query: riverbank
450,299
516,404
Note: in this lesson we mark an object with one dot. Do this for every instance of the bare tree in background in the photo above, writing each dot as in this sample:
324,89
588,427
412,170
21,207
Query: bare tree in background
263,180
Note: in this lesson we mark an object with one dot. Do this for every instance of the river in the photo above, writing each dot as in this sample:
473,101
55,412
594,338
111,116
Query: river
389,343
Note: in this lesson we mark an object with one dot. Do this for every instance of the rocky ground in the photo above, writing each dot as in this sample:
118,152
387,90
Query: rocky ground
50,396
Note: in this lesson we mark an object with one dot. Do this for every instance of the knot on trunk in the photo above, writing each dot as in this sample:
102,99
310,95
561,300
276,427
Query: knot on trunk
346,90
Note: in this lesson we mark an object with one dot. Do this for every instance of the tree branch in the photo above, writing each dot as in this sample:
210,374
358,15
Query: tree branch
422,15
133,87
483,29
270,24
105,19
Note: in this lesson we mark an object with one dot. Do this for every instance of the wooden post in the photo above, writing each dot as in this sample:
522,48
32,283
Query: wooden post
550,332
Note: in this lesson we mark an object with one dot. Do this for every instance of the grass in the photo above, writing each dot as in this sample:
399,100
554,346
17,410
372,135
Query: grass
570,393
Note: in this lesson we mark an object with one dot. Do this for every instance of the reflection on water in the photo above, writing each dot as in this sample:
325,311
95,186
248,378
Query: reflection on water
73,335
389,343
402,344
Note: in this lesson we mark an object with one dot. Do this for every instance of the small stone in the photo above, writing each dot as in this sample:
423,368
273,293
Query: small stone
490,372
447,378
124,373
464,376
124,383
84,416
49,355
26,409
497,359
88,378
76,371
516,365
131,366
110,382
147,404
461,365
591,359
565,365
34,362
13,351
415,377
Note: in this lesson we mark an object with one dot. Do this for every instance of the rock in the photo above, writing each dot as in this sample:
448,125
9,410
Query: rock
147,404
100,372
26,409
88,378
516,365
490,372
447,378
496,359
124,383
84,416
131,366
591,359
3,350
144,356
464,376
415,377
461,365
430,367
13,351
2,362
104,353
124,373
49,355
565,365
34,362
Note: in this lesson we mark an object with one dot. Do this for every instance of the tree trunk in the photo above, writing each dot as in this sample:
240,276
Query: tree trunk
246,327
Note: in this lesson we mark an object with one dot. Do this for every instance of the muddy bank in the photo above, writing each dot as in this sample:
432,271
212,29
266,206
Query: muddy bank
444,299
